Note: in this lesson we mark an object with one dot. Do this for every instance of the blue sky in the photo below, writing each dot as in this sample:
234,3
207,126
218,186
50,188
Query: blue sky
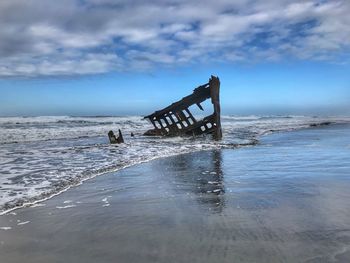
104,57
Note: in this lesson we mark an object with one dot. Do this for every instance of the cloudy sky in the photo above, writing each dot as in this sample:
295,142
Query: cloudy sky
291,51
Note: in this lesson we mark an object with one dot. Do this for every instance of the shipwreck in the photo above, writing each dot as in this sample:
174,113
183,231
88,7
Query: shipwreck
177,120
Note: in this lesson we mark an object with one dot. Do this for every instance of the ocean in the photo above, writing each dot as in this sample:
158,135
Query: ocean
42,156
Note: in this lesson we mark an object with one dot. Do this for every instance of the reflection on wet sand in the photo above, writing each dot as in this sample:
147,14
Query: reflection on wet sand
201,176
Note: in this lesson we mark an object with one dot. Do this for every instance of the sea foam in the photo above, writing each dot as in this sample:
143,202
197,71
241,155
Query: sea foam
43,156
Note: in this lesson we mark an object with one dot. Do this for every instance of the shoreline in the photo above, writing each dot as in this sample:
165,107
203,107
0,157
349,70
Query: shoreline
31,203
47,196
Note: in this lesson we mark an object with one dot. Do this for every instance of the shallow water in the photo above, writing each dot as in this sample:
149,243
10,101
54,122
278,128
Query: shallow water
41,156
285,200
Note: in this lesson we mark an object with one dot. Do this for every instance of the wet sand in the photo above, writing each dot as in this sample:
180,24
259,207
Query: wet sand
285,200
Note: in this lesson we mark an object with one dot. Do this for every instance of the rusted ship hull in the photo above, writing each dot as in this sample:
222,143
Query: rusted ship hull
177,120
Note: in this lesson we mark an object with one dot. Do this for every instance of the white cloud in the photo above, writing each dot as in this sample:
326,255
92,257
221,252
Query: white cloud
63,65
46,37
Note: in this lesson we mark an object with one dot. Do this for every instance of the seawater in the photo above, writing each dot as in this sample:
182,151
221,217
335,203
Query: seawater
42,156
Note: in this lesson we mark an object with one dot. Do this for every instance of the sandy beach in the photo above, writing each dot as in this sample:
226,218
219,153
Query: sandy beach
284,200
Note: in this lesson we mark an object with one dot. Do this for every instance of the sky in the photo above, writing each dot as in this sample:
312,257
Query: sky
126,57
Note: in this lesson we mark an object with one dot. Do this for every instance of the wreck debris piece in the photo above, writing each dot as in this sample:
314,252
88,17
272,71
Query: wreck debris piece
120,138
177,120
113,139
